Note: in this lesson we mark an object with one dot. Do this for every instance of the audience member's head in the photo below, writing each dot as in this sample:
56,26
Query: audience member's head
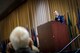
19,38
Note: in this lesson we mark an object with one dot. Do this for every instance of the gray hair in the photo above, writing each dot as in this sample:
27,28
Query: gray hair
19,37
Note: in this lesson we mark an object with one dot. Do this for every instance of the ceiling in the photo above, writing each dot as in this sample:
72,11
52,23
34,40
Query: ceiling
7,6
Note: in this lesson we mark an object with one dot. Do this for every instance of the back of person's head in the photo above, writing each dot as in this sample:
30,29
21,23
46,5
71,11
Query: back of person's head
19,38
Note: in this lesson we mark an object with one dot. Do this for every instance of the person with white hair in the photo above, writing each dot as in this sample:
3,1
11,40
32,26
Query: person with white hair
21,40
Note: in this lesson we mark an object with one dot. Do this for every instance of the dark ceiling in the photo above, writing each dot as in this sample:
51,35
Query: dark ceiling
7,6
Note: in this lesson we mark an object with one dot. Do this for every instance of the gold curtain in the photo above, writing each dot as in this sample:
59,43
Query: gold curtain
24,15
19,17
64,6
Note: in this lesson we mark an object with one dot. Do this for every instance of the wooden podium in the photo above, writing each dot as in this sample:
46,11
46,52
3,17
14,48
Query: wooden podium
53,36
